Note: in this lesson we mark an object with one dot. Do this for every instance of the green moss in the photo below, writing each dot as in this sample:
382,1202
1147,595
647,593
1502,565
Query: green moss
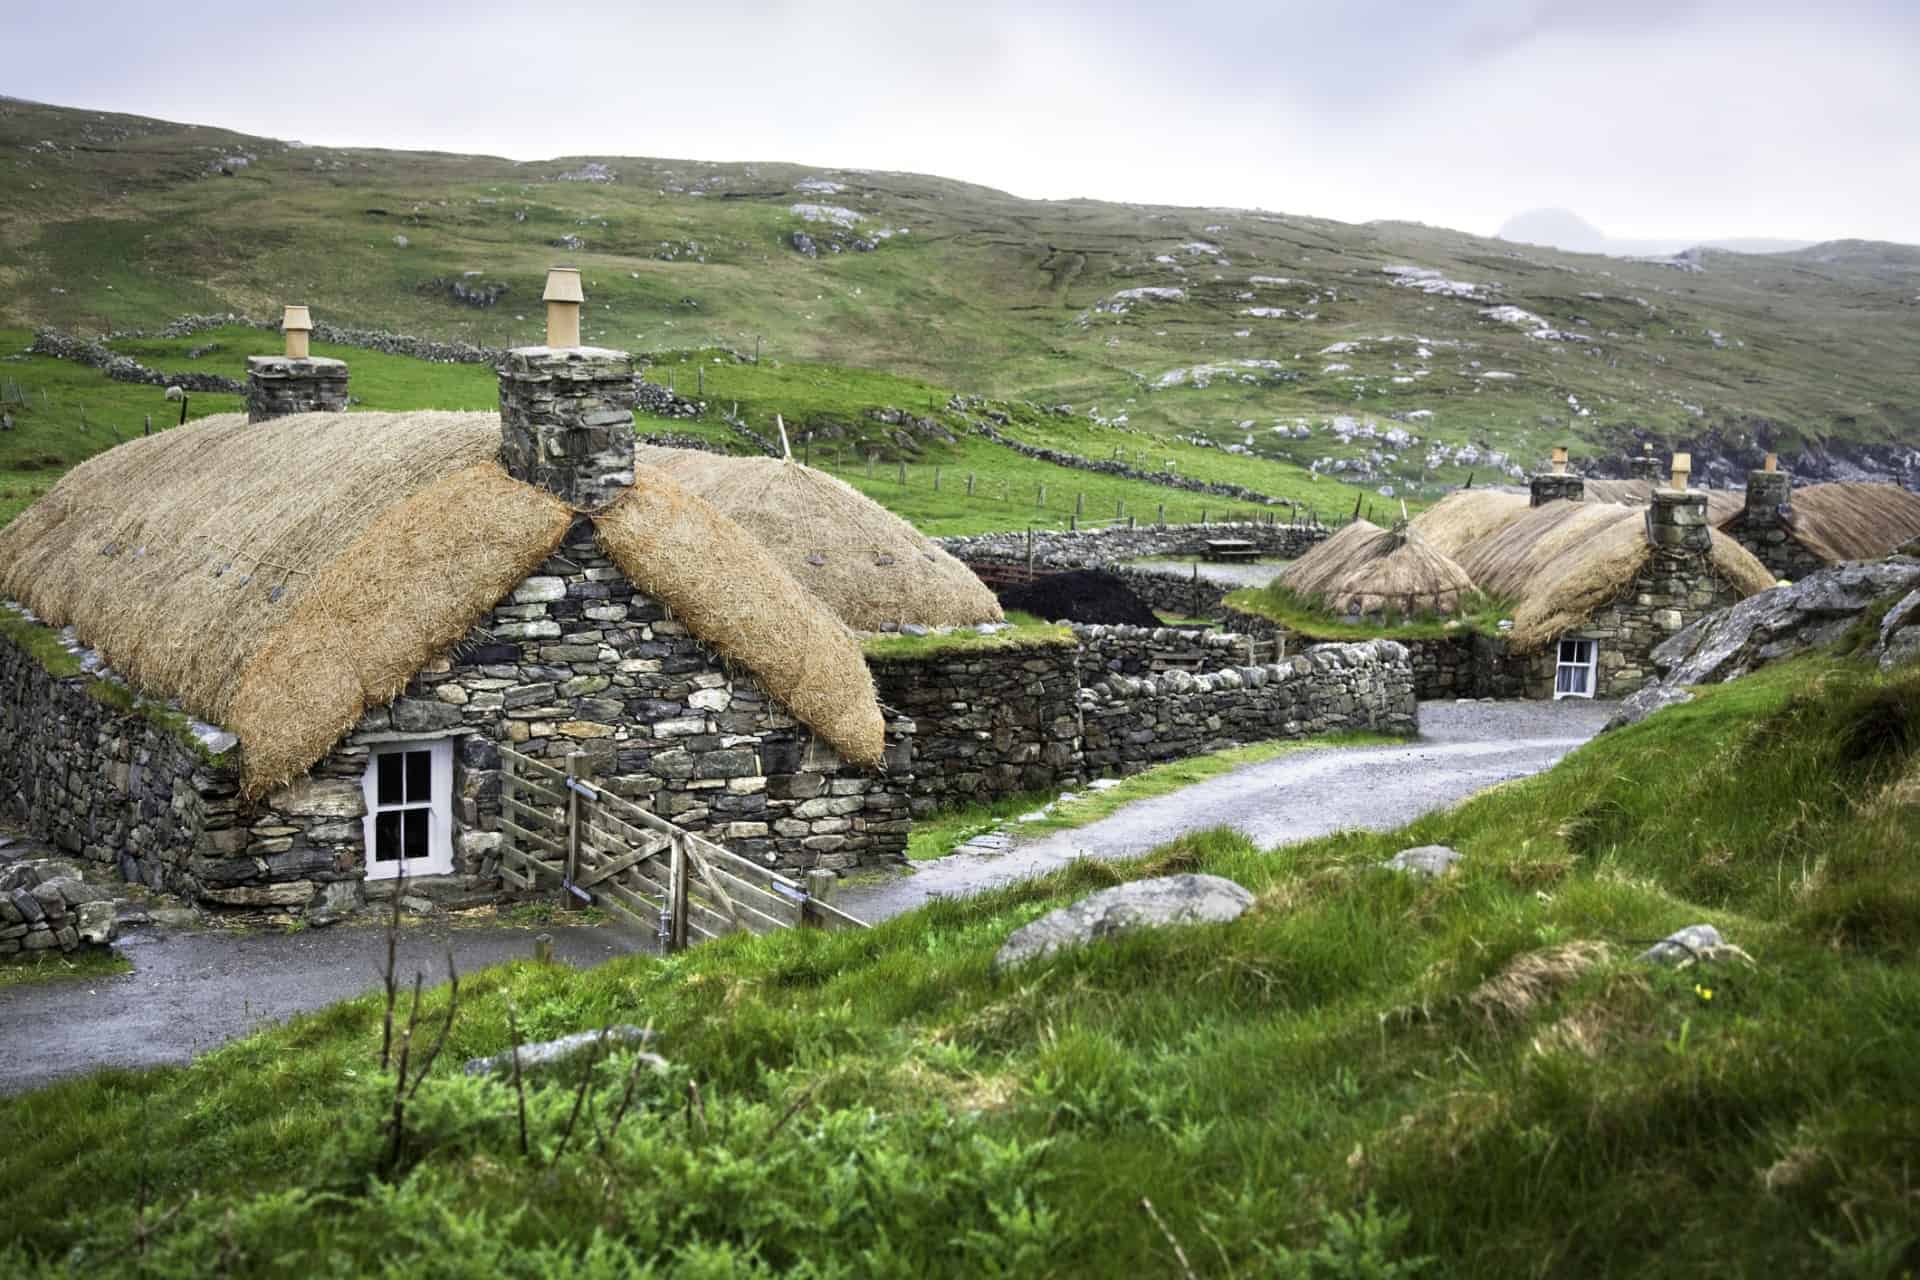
42,644
1031,635
1308,620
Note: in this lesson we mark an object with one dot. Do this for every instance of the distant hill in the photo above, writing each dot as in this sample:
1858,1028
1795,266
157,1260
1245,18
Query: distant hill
1383,354
1563,229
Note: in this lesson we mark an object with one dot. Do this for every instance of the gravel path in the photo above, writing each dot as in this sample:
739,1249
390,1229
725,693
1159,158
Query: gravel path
1463,748
192,989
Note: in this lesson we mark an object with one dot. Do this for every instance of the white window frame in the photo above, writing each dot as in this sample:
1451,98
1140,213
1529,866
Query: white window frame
439,807
1590,668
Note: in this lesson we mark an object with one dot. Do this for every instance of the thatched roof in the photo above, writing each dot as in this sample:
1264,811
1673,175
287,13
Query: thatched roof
1721,503
1365,569
280,578
1466,517
868,565
1564,560
1850,521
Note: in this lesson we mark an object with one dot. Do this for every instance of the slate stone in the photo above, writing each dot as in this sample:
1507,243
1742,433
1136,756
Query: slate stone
547,1055
1426,860
1683,944
1143,904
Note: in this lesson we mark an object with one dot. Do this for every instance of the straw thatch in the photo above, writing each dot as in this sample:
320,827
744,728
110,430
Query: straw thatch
729,591
279,578
1565,560
868,565
1467,517
1721,503
1364,569
1852,521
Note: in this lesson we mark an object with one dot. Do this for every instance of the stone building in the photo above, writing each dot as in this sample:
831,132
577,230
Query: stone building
1797,531
274,663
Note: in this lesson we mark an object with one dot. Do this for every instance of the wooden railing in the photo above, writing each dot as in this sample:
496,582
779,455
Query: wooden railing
606,851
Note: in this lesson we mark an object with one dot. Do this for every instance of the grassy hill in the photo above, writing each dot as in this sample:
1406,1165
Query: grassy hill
117,222
1366,1076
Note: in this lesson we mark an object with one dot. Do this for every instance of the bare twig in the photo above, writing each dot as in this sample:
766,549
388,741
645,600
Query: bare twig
626,1096
579,1096
1186,1268
793,1109
446,1026
398,1122
393,991
519,1086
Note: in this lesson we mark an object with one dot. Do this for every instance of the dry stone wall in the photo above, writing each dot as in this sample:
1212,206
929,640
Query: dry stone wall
1468,664
1132,723
1100,548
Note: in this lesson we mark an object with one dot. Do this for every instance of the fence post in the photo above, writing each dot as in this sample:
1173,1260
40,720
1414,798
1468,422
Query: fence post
936,479
819,889
969,484
1203,515
1119,508
1029,553
1073,523
869,466
1161,518
567,900
677,889
1041,499
1079,504
903,473
1129,522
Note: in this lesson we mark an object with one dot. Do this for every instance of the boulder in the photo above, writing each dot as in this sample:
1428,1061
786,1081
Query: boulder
1690,943
1783,622
1638,706
96,922
1426,860
549,1054
1900,633
1144,904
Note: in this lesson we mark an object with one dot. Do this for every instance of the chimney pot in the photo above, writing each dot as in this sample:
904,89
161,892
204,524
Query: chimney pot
1682,469
296,323
1772,463
563,298
1560,460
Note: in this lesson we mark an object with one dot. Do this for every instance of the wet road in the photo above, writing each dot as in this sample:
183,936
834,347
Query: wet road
193,989
1463,748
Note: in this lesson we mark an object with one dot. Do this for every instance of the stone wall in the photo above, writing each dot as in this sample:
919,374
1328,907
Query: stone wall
1764,526
96,355
1173,592
279,385
1090,548
992,722
1132,724
987,722
46,906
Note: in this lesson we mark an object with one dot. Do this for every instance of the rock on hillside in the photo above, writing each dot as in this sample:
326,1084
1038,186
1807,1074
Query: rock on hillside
1783,623
1143,904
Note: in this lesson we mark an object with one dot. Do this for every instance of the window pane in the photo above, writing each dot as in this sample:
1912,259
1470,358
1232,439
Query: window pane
386,837
389,787
416,828
419,775
1562,681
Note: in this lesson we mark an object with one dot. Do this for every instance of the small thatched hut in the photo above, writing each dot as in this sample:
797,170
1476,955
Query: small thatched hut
374,605
1598,585
1364,570
866,564
1795,531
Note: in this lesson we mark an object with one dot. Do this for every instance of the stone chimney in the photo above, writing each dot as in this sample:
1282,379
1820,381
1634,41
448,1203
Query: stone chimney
295,382
1557,484
1769,493
1677,516
566,411
1644,465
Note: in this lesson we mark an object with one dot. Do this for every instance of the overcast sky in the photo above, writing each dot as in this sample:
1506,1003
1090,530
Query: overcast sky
1690,118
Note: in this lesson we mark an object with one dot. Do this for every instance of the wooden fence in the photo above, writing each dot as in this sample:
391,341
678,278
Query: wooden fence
604,851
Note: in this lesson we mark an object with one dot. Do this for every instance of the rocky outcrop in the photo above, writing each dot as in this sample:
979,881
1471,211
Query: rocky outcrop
1784,622
1144,904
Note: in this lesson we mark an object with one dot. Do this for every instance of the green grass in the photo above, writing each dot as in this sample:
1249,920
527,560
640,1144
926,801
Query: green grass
39,642
941,833
29,967
1473,1071
1022,635
1308,619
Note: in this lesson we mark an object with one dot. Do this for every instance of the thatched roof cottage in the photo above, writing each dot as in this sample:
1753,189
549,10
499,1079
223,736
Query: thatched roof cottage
1796,531
375,604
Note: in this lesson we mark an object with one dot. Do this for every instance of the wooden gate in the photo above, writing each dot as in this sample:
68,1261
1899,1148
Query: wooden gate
604,851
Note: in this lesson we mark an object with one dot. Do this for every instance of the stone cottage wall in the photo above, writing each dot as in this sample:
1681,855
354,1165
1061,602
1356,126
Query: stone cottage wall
1090,548
1670,592
1132,724
1464,665
1772,542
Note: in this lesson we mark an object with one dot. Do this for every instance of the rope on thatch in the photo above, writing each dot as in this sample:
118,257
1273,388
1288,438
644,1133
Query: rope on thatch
868,565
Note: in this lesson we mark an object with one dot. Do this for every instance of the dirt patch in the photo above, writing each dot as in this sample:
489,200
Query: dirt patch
1084,595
